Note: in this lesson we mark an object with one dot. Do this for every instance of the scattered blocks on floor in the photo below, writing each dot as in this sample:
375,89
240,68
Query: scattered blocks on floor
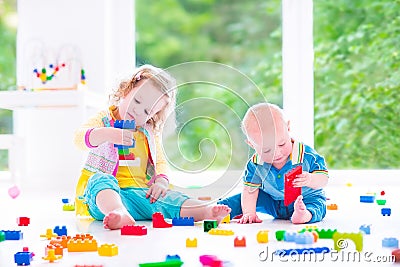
216,231
167,263
14,191
326,233
13,235
209,224
58,249
339,237
226,219
367,199
60,231
332,207
108,250
69,207
82,243
239,242
2,236
386,211
183,221
396,255
49,234
280,235
134,230
23,221
390,242
366,229
191,243
210,260
262,236
51,256
381,202
23,258
159,221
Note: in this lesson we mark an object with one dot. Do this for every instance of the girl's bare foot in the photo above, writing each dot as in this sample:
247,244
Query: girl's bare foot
217,212
117,218
300,214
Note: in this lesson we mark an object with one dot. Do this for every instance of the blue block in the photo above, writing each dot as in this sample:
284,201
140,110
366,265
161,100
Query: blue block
366,229
290,237
125,124
185,221
386,211
172,257
304,238
65,200
60,231
13,235
23,258
367,199
390,242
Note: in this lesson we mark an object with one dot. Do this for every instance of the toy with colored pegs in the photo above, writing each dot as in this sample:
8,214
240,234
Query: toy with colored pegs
42,75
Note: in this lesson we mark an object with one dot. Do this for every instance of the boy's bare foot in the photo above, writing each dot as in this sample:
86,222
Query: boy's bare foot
217,212
117,218
300,214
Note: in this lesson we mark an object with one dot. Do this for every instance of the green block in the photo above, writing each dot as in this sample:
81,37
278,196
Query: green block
326,233
169,263
381,201
280,234
2,236
208,225
123,151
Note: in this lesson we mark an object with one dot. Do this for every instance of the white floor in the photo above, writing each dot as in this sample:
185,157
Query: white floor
45,211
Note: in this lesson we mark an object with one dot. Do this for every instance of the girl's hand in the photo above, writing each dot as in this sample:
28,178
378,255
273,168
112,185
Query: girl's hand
303,179
112,135
156,190
250,218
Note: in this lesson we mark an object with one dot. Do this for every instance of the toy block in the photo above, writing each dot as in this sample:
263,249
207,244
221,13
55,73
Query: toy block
386,211
315,236
185,221
291,192
80,245
60,231
51,256
381,202
239,242
23,258
289,236
311,227
49,234
88,266
210,260
23,221
125,124
134,230
262,236
159,221
366,229
13,235
339,237
83,237
129,156
2,236
210,224
367,199
205,198
169,263
58,249
332,207
14,191
396,255
280,234
123,151
226,219
191,243
304,238
65,200
172,257
216,231
108,250
300,251
390,242
326,233
69,207
62,240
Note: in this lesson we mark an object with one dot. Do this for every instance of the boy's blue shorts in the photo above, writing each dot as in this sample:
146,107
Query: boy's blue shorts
134,199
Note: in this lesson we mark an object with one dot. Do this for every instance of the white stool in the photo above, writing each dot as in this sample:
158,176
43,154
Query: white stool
16,159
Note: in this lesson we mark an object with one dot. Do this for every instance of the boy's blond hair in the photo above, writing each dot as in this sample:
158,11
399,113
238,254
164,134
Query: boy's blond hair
161,79
254,114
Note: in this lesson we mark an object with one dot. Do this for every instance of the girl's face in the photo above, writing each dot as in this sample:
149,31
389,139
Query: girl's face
142,103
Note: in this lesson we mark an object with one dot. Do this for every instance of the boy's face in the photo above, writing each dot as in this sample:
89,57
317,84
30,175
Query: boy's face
271,141
142,103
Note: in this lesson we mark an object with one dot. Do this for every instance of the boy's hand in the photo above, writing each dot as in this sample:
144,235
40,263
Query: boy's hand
250,218
156,190
303,179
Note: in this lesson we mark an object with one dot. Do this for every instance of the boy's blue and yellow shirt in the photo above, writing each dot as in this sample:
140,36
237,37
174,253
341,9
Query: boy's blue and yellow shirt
262,175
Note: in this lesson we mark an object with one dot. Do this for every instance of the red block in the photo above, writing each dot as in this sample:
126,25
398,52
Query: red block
23,221
159,221
134,230
291,192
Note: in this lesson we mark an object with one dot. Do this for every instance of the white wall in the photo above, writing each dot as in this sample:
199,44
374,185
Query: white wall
101,34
